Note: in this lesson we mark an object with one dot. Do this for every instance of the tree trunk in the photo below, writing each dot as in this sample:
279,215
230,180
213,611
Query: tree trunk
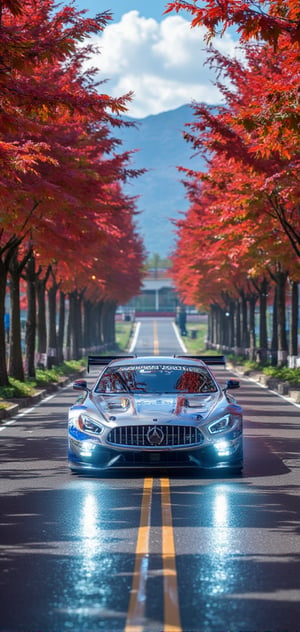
86,327
41,322
274,343
61,327
223,329
110,335
232,309
7,251
52,346
3,366
252,331
16,368
237,324
293,349
30,330
75,325
71,326
79,323
263,334
91,326
105,323
245,337
41,317
209,328
281,278
216,327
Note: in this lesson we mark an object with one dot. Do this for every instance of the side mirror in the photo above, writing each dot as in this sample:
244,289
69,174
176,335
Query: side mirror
232,384
80,385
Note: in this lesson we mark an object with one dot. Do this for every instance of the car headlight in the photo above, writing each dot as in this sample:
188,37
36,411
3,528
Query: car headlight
86,424
225,423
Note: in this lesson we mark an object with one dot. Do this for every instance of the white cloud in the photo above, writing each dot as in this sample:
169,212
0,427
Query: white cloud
163,63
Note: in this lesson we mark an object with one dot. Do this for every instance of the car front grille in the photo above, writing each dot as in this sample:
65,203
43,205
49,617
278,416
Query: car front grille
157,436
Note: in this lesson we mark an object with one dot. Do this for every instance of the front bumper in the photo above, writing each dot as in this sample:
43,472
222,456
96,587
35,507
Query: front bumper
91,457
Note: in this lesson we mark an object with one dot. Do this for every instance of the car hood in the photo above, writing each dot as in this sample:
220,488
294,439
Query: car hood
162,408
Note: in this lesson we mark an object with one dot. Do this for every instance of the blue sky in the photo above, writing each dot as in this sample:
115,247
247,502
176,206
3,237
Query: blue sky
147,8
158,57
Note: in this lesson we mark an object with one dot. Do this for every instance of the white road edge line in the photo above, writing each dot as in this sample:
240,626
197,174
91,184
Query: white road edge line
135,337
183,347
26,411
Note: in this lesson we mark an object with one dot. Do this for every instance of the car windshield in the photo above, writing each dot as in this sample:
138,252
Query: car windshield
156,379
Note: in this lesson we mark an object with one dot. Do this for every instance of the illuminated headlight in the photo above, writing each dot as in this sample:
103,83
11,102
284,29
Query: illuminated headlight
86,424
226,423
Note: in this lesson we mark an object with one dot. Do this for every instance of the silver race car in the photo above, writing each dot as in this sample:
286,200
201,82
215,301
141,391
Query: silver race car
155,412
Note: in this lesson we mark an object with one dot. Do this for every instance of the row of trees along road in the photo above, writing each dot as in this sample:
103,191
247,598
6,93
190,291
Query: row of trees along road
67,229
239,243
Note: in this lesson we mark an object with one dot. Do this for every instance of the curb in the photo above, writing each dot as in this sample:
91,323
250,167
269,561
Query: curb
9,411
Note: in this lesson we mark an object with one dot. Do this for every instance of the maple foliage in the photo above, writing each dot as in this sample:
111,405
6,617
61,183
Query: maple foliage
223,257
57,129
107,264
259,125
14,6
253,19
261,144
61,163
244,212
35,89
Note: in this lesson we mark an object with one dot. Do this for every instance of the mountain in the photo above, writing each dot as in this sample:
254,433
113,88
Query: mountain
161,195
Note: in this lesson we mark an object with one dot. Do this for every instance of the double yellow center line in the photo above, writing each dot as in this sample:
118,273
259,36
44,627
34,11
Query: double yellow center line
155,338
136,611
137,603
171,605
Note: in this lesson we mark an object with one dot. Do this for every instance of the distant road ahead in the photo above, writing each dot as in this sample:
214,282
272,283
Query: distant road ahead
156,336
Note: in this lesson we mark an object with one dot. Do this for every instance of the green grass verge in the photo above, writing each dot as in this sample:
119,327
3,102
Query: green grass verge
284,374
17,389
123,333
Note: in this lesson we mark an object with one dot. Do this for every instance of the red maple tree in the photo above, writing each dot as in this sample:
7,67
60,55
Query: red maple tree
58,150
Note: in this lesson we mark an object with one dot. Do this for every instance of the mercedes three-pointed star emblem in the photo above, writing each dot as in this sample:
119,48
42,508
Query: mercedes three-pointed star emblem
155,435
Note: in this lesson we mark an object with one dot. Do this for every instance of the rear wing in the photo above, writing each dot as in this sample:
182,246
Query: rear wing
101,360
207,359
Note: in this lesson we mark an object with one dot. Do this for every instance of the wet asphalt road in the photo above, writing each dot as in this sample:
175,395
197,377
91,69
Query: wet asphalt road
158,551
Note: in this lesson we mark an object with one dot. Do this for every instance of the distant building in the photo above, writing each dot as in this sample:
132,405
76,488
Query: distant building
158,294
